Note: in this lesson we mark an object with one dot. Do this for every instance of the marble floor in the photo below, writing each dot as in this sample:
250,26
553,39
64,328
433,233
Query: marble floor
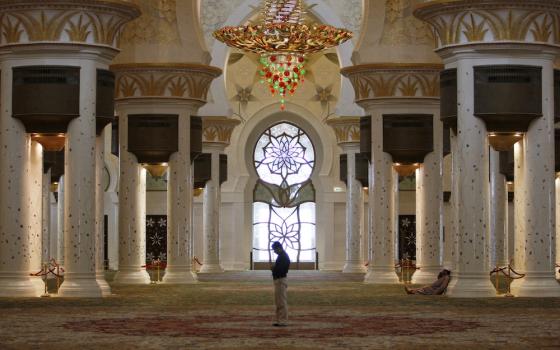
235,311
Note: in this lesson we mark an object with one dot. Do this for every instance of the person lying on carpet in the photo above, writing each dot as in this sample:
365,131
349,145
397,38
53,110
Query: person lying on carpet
436,288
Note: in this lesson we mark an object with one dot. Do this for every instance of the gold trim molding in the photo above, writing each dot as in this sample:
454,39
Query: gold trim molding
152,80
394,80
346,129
91,22
462,22
218,129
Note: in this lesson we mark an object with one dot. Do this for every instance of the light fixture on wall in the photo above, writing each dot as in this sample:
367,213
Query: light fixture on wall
283,41
503,141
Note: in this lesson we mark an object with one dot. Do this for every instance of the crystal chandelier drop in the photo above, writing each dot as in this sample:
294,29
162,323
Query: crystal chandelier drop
283,41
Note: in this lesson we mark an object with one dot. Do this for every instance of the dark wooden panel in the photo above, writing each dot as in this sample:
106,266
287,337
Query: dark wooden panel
344,168
46,98
105,100
507,97
55,162
365,136
446,196
362,169
115,137
407,237
223,168
196,137
448,97
156,238
202,170
152,138
408,137
556,95
557,150
446,141
507,164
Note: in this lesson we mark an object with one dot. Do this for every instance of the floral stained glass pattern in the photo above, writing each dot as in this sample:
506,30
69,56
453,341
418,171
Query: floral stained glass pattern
407,237
284,197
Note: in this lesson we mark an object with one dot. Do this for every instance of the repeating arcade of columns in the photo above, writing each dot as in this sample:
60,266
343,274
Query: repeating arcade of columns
158,97
216,137
21,218
347,131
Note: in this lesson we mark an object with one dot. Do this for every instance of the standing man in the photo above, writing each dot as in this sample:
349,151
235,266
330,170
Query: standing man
279,275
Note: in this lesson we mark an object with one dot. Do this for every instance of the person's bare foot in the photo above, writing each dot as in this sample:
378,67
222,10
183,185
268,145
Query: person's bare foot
408,291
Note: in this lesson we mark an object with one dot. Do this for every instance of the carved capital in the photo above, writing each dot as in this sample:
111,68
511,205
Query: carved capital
85,22
218,130
375,81
173,81
464,22
346,129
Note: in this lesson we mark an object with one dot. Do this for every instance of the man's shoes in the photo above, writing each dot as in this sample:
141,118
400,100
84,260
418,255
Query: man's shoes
280,325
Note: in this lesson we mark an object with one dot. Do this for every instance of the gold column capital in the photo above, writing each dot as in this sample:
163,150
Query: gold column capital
218,130
346,129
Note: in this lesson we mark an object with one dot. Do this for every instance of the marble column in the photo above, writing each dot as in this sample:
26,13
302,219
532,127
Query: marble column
354,212
429,209
498,207
99,216
79,202
179,209
557,268
536,235
211,213
46,216
472,201
60,227
381,268
53,240
15,236
132,212
510,231
35,200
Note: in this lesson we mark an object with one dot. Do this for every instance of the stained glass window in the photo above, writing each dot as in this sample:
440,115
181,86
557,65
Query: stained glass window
284,196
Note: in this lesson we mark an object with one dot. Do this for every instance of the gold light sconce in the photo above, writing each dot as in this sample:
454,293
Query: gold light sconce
50,142
406,169
157,170
503,141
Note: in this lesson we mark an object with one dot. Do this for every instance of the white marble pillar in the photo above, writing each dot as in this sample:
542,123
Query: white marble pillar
395,214
472,279
15,262
60,219
511,231
35,200
519,216
354,212
79,193
46,216
536,239
211,214
557,267
99,216
498,206
381,268
179,209
132,212
53,239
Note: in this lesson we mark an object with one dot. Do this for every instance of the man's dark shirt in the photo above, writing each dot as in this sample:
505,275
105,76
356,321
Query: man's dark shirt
281,267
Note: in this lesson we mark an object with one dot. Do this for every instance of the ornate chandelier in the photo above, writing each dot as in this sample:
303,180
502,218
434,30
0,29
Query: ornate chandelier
283,41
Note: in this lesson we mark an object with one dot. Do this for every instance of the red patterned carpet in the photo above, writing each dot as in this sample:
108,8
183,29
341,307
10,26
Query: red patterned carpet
324,314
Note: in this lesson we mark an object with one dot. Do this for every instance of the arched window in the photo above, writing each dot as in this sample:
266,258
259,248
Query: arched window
284,196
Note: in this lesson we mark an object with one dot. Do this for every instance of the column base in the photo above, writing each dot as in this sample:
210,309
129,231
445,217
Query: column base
471,285
426,274
536,284
211,268
354,267
80,285
381,275
17,285
132,276
105,288
179,275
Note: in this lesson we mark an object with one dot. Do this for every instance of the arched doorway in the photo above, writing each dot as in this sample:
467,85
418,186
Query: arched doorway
284,196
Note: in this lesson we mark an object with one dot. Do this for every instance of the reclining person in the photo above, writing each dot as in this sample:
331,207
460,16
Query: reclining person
436,288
